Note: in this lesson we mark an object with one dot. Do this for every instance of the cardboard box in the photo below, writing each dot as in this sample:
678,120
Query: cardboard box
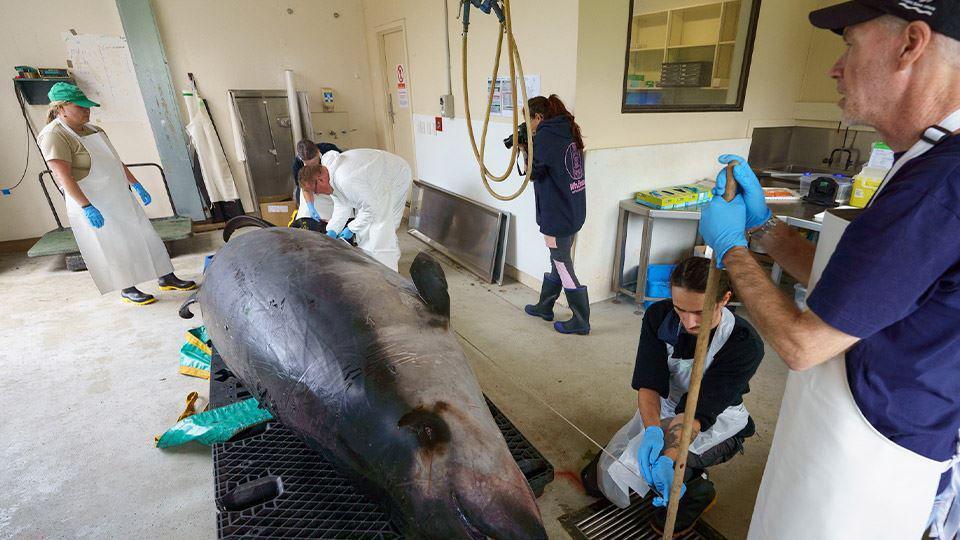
278,213
676,196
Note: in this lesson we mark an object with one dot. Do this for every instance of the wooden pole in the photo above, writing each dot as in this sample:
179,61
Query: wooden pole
696,374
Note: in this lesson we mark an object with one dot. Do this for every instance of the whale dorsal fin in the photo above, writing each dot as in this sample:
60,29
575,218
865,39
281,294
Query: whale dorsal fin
431,283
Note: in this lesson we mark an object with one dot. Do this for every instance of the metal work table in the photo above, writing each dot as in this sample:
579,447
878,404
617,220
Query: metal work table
796,214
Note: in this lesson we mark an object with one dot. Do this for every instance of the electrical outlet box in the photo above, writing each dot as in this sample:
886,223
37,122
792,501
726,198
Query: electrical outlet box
446,106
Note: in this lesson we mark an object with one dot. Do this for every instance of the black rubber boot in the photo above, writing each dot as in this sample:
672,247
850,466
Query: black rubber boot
549,292
133,295
700,497
580,305
171,282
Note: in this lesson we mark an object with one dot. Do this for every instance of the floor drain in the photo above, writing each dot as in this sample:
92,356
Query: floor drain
604,521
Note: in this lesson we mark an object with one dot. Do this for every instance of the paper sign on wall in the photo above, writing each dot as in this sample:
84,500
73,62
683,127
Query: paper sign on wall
102,67
503,93
403,98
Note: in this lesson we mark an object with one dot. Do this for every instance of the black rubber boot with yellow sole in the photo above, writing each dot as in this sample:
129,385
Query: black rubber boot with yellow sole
133,295
701,495
171,282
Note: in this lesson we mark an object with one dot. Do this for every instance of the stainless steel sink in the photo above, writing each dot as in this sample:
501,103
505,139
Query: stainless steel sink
794,169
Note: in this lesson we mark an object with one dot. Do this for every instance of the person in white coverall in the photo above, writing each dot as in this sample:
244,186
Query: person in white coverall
372,183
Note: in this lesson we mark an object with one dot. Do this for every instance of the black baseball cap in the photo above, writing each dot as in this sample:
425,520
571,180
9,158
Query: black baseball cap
943,16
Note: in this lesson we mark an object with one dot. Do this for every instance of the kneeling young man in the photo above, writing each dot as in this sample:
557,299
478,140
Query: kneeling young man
647,447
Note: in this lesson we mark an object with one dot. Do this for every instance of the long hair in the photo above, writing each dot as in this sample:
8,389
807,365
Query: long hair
54,111
551,107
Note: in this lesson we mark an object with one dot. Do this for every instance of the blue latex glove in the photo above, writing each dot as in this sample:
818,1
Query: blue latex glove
144,196
94,217
345,234
663,481
313,212
723,225
649,451
332,233
749,185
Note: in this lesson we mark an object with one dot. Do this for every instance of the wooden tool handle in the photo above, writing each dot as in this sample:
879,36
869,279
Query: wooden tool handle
730,191
696,374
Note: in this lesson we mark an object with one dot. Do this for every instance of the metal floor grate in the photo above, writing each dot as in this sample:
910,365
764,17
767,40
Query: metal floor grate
270,485
604,521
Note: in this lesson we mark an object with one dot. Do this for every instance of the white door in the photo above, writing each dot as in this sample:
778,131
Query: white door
396,78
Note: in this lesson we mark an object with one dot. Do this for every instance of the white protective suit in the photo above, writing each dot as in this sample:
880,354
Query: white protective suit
374,183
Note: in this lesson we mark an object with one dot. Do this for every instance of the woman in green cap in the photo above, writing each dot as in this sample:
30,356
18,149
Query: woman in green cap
119,245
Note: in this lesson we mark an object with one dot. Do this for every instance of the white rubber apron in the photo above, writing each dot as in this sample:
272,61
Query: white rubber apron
830,473
618,477
126,251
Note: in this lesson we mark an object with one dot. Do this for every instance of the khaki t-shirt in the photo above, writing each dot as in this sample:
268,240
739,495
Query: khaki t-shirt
58,143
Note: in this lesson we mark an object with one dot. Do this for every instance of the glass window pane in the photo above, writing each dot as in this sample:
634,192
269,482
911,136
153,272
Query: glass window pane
688,54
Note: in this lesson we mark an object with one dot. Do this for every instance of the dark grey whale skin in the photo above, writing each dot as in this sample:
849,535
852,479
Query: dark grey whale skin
351,357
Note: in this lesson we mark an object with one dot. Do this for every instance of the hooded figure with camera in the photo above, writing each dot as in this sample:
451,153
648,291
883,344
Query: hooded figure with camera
560,189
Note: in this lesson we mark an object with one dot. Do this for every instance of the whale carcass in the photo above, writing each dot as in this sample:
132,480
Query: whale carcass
360,363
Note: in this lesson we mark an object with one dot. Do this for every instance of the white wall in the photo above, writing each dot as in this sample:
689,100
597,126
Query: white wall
447,162
30,34
615,174
247,44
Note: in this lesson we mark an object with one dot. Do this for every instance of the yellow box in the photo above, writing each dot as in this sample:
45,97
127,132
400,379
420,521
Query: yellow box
675,196
865,186
277,213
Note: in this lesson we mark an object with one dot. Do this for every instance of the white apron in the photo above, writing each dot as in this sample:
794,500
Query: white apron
126,251
213,164
321,202
618,477
830,473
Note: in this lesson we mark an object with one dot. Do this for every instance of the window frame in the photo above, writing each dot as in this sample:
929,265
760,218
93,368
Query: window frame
660,108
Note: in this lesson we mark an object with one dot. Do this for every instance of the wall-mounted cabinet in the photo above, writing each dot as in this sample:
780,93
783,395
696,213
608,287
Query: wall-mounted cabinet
690,53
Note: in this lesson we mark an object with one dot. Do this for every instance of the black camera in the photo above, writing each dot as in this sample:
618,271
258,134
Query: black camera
521,137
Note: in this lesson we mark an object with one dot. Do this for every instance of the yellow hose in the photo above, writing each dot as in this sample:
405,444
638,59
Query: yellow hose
515,65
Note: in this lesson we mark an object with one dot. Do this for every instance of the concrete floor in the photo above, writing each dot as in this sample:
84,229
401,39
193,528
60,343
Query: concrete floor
88,381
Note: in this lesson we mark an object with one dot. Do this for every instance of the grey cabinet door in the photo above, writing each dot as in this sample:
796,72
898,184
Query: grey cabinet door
268,143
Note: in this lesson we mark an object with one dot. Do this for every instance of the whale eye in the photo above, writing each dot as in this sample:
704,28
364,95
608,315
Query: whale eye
431,430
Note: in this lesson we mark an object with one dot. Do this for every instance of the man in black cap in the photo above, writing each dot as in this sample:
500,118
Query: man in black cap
871,413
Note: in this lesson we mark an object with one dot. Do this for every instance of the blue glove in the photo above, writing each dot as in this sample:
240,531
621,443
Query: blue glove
649,451
144,196
94,217
749,185
345,234
663,481
723,225
313,212
332,233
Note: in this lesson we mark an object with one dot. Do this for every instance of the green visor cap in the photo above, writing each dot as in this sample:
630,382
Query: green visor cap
70,92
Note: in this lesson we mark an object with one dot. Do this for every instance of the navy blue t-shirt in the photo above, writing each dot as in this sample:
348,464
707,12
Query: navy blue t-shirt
558,181
894,282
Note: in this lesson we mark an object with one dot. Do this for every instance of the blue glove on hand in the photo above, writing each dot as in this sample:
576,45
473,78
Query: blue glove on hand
649,451
345,234
749,185
313,212
663,481
144,196
723,225
94,217
332,233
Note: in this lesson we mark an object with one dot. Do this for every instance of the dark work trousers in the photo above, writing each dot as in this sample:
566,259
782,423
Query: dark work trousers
696,464
561,263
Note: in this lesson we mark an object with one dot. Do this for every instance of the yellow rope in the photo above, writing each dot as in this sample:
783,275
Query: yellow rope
515,66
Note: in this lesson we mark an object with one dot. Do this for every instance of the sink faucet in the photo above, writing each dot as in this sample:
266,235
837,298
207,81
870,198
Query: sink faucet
844,149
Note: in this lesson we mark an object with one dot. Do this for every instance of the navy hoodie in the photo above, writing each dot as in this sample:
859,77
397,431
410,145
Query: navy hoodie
558,181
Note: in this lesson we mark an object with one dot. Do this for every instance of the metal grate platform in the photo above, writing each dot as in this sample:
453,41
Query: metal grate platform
603,520
269,484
